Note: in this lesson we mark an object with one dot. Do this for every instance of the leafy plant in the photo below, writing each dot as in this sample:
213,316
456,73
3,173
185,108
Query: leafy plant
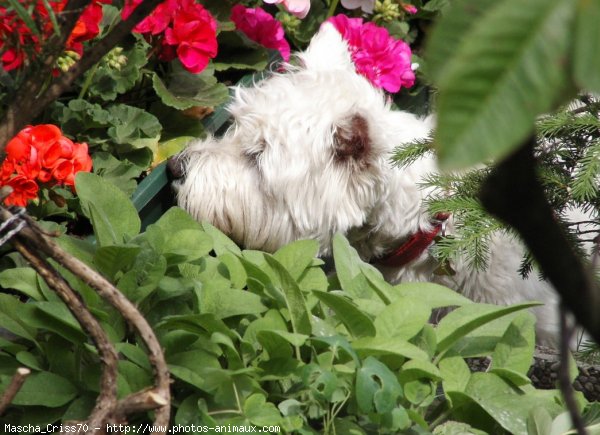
268,339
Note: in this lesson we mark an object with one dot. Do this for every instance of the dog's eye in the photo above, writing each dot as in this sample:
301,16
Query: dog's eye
351,139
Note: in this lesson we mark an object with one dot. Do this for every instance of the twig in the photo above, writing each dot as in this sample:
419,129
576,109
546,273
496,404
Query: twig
107,399
29,104
144,400
13,388
31,236
514,194
566,388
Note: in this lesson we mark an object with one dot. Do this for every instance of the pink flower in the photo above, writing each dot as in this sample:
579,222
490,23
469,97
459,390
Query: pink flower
298,8
383,60
411,9
262,28
365,5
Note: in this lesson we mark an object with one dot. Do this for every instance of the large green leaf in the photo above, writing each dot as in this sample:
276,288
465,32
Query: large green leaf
294,298
403,318
133,128
510,69
586,49
377,388
187,90
45,389
433,295
357,322
22,279
505,404
297,256
515,349
230,302
467,318
388,346
113,215
348,266
451,32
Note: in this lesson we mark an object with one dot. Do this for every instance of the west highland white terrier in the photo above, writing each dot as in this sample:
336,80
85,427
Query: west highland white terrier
308,155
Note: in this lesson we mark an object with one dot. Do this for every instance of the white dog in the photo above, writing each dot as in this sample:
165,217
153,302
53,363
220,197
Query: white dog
308,156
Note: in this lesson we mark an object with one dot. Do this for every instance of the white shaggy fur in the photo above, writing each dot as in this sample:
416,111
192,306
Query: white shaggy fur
278,175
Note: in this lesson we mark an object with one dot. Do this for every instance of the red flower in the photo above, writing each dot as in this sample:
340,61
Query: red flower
24,189
261,27
181,28
15,35
41,153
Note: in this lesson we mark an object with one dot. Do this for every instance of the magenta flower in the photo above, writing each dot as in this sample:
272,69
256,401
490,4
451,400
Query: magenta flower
383,60
298,8
261,27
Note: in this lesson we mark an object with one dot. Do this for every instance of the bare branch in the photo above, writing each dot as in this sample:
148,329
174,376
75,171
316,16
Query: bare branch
107,399
13,388
31,236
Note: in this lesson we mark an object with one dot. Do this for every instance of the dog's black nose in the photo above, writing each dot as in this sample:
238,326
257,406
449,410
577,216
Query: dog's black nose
175,165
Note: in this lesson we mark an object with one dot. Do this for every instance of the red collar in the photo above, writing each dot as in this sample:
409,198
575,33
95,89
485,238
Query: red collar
415,245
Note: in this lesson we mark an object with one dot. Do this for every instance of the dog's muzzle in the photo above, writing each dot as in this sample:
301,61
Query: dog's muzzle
176,166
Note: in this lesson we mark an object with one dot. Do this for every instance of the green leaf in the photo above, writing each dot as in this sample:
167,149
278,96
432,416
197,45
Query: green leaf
111,259
294,298
509,407
113,215
180,237
234,54
417,369
509,70
586,49
358,323
418,392
226,303
133,128
274,344
14,316
297,256
44,389
515,349
388,346
455,373
348,266
467,318
107,82
120,172
56,317
22,279
187,90
260,412
403,318
377,388
29,360
451,32
433,295
221,242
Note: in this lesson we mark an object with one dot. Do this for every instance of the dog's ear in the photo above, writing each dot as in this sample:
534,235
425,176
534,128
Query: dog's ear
351,140
327,50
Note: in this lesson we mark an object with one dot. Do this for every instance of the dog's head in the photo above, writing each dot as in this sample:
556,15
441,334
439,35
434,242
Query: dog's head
306,156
